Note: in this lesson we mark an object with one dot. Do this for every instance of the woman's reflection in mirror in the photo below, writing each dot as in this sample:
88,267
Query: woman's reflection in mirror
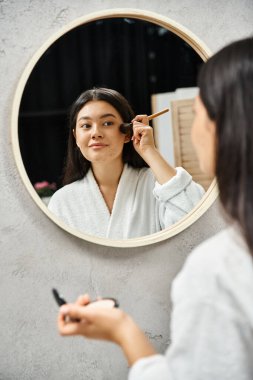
117,186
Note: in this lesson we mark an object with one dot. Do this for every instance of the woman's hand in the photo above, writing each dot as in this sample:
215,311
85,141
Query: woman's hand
96,323
143,139
100,322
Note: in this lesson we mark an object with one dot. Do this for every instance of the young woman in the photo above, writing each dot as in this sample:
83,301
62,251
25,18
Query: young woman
109,190
212,319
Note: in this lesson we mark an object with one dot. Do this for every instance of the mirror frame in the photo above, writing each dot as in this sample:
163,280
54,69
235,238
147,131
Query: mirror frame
203,51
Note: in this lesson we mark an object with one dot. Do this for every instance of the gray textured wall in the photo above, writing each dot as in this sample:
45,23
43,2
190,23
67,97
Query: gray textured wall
36,254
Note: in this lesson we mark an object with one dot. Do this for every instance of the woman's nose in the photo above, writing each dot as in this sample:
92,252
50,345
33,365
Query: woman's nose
96,131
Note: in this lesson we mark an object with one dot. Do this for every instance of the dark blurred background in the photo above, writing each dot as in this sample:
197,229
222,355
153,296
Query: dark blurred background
134,57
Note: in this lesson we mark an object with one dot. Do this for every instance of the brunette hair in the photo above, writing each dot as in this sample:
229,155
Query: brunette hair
226,89
77,165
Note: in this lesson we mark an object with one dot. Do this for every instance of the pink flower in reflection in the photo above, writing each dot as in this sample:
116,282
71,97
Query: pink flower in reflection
45,189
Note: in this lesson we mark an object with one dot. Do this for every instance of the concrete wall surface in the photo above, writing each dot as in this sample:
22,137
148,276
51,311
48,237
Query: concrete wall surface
37,255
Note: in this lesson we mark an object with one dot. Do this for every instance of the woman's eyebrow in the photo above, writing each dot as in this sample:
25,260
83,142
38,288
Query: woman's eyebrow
107,114
84,118
100,117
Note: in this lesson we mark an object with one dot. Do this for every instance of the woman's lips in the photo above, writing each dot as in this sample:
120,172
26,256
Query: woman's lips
98,146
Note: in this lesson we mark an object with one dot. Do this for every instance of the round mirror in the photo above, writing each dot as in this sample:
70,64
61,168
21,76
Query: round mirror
149,59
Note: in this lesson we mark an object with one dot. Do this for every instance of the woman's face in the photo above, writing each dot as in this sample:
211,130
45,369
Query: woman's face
203,137
97,132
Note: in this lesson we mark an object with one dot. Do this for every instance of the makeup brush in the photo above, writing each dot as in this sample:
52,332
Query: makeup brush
128,127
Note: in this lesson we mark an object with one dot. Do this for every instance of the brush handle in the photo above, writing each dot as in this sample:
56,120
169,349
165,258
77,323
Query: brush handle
128,127
150,117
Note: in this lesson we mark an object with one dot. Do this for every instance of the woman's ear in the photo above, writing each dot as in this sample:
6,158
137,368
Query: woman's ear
127,138
74,134
211,127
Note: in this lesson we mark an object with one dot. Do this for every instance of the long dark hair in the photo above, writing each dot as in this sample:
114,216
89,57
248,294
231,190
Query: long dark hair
226,89
77,165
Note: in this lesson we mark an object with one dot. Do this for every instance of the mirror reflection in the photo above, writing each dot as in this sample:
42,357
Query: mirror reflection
140,60
109,190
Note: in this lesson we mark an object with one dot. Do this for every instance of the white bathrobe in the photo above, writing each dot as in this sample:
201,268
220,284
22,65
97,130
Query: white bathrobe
141,206
212,316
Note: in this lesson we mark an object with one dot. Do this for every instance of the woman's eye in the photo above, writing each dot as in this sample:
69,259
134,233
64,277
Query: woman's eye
85,126
108,123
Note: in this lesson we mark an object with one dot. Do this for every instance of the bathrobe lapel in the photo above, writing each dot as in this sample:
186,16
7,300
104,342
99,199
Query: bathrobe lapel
97,203
121,216
112,222
133,199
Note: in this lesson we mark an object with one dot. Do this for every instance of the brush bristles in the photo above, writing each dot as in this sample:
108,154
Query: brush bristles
126,128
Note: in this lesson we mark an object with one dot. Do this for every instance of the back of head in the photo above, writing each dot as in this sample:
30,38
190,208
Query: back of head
226,89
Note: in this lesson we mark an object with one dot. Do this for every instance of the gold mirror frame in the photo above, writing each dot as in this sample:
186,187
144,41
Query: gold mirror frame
154,18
